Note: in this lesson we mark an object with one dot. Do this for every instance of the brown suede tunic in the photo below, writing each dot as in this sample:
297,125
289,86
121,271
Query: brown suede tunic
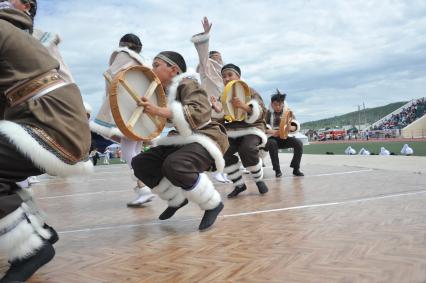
197,111
259,123
57,120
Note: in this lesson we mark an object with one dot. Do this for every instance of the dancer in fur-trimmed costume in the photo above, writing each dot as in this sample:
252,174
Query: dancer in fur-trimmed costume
51,41
245,137
273,119
174,169
127,55
209,67
43,129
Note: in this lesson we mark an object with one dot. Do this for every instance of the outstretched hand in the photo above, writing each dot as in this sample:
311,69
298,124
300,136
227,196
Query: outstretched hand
206,25
216,105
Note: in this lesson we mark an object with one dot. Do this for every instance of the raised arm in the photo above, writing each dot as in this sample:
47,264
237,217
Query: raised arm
201,42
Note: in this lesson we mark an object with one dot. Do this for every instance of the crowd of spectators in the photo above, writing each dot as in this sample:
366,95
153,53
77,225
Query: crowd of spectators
407,116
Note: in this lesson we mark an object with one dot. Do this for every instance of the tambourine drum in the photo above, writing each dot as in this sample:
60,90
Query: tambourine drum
126,89
236,88
285,124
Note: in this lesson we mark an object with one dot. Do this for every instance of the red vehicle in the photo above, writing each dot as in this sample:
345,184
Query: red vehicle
332,135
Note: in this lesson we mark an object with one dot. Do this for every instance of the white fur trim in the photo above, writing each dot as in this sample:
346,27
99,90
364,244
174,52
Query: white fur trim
256,112
177,200
21,241
232,168
11,218
30,204
297,124
167,191
161,187
179,119
236,175
41,157
25,194
199,38
37,224
240,182
263,153
248,131
203,140
172,89
256,167
256,176
106,132
88,108
204,193
36,220
131,53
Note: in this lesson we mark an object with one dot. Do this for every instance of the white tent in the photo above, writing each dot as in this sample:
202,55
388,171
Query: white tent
384,151
350,151
406,150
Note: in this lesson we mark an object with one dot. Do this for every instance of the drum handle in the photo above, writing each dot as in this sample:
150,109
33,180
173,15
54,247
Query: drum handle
108,79
236,111
139,110
135,116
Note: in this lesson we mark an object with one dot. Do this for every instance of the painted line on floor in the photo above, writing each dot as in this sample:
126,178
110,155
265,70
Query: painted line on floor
300,207
216,184
358,200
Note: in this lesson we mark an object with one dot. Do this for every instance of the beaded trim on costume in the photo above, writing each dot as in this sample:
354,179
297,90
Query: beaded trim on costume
51,145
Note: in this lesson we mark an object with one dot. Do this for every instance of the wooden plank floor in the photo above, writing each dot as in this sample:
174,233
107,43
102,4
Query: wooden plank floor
336,224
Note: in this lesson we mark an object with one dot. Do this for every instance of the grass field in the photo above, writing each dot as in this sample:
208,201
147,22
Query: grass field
419,147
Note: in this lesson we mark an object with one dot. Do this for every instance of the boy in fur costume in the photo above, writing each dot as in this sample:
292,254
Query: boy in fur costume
273,119
245,137
174,169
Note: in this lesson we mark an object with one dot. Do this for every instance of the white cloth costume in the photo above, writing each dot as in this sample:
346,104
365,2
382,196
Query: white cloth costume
211,79
104,124
51,41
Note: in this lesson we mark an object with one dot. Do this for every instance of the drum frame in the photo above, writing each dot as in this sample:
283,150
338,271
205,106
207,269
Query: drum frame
230,88
155,87
285,123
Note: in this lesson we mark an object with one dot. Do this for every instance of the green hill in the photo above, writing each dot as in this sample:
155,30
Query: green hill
369,116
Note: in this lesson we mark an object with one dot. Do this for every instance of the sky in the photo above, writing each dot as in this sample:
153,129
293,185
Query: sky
328,56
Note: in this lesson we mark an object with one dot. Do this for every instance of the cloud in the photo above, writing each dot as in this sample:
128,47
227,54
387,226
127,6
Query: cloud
329,56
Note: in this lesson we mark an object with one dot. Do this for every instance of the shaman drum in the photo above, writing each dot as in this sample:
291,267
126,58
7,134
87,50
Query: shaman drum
127,87
236,88
285,123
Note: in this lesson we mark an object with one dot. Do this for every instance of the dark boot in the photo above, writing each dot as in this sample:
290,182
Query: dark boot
237,190
54,235
21,270
278,173
261,186
170,211
210,217
296,172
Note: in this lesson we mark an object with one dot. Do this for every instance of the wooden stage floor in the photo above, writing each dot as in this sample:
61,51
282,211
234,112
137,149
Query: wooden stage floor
339,223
